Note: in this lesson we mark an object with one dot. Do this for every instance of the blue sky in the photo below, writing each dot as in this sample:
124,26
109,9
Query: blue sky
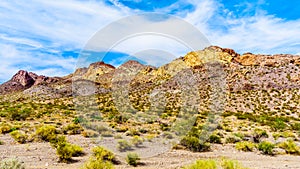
46,36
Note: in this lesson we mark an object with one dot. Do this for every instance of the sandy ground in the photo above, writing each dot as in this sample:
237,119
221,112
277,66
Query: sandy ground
42,156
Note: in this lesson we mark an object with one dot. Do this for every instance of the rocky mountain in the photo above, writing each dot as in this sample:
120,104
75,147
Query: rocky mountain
246,71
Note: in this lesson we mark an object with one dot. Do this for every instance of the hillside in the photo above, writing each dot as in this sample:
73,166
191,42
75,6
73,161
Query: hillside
205,101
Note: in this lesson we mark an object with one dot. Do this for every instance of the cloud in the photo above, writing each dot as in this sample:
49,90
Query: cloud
35,35
257,33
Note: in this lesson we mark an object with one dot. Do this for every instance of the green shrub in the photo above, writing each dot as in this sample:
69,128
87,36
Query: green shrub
296,126
5,128
137,141
290,147
266,147
97,164
58,140
258,134
132,159
232,139
215,139
18,136
1,142
72,129
66,151
123,145
101,153
278,124
193,144
46,133
203,164
245,146
231,164
19,114
11,163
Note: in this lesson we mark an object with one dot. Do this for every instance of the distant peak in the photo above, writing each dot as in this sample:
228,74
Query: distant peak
101,63
23,78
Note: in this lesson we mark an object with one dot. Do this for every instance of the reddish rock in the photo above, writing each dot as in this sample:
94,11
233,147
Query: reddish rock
23,78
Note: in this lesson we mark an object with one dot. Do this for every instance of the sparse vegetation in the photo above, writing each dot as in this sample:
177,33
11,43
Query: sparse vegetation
19,136
203,164
290,147
123,145
11,163
132,159
266,147
245,146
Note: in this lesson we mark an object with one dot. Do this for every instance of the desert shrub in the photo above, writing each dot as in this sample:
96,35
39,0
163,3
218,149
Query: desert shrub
258,134
72,129
266,147
132,132
123,145
89,133
66,151
278,124
203,164
95,164
103,154
46,133
11,163
137,141
231,164
1,142
194,144
107,134
296,126
132,159
215,139
232,139
5,128
58,140
245,146
19,114
276,135
290,147
18,136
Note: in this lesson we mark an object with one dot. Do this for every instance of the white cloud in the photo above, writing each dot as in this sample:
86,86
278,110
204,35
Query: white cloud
56,26
261,33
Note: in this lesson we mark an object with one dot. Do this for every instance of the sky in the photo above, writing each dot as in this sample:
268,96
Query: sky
47,37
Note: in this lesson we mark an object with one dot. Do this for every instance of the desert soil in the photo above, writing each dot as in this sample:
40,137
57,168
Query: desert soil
42,156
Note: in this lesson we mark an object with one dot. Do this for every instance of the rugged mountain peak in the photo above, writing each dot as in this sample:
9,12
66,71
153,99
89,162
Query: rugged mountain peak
23,78
101,65
131,64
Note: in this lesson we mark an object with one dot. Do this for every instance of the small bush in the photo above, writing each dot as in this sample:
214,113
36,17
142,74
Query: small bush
203,164
89,133
66,151
46,133
5,128
1,142
258,134
245,146
132,159
233,139
290,147
215,139
101,153
123,145
193,143
230,164
137,141
266,147
72,129
11,163
18,136
19,114
97,164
